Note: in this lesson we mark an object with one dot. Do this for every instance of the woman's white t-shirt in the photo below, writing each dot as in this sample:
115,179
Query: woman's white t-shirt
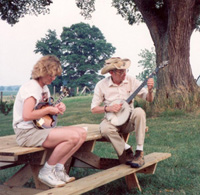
29,89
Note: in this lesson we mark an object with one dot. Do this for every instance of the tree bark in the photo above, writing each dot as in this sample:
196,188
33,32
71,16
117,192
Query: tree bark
171,28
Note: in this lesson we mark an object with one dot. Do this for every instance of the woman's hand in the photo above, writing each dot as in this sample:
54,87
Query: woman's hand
61,107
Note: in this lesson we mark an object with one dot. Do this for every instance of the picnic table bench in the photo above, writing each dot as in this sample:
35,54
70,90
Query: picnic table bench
33,158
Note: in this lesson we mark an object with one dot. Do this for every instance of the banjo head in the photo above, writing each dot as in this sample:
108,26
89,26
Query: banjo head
119,118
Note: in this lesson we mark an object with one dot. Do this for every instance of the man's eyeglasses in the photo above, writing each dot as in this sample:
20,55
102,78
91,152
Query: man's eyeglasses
120,72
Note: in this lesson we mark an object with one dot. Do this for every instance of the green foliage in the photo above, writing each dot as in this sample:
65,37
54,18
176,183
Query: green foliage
6,124
87,7
50,45
128,10
57,83
171,113
82,51
198,23
11,10
131,10
6,107
148,63
138,102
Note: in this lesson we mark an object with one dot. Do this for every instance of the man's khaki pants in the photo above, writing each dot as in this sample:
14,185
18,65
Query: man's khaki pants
136,122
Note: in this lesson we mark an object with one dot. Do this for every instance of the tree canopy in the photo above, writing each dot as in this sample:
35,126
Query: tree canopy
12,10
82,50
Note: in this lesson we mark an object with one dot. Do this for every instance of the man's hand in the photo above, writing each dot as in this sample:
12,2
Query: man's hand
150,84
114,108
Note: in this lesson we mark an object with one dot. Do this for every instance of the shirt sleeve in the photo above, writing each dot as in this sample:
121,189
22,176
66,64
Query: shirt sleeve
97,97
29,92
33,90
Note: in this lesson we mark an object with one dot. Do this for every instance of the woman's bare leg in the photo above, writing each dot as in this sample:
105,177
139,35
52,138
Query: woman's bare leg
65,141
82,134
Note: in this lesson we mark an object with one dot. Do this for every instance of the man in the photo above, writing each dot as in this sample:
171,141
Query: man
63,140
119,86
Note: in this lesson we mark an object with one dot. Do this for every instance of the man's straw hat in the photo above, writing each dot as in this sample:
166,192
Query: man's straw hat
115,63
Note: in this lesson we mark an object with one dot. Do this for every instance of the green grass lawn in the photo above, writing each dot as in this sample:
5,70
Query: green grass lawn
175,132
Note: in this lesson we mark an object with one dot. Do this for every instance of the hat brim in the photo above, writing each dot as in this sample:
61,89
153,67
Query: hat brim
124,64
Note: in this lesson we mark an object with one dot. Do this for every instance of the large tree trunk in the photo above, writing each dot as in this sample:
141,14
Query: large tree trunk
171,29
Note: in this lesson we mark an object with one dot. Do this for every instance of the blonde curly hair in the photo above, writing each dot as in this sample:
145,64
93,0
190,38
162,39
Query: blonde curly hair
47,65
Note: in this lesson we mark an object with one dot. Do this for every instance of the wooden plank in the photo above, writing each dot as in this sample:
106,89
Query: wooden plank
132,182
7,141
87,158
9,150
5,165
4,158
17,150
98,179
93,132
9,145
87,146
106,163
84,156
6,190
38,184
81,164
32,158
149,170
68,165
20,178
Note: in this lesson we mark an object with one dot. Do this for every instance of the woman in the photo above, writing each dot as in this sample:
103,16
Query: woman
64,141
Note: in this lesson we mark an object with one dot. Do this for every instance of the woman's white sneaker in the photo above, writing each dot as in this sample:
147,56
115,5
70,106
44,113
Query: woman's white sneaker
50,179
63,176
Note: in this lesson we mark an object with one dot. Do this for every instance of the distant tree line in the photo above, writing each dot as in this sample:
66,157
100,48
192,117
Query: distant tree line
10,88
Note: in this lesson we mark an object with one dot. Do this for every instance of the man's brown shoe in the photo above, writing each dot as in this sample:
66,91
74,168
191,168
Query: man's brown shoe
127,156
138,160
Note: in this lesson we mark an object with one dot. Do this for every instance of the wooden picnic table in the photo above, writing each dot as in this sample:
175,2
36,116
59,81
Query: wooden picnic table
33,158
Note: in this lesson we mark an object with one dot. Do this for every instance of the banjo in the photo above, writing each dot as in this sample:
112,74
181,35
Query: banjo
119,118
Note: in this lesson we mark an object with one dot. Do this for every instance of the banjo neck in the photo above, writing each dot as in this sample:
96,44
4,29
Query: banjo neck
162,65
137,90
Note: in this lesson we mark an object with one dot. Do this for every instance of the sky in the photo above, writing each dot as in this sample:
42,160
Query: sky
17,43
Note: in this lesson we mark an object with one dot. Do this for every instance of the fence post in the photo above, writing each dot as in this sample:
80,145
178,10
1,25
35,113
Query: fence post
1,96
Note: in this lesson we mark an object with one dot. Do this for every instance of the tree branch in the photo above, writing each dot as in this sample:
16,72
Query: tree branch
155,17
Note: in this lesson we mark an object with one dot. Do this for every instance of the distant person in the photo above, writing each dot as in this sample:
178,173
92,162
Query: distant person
64,141
121,117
